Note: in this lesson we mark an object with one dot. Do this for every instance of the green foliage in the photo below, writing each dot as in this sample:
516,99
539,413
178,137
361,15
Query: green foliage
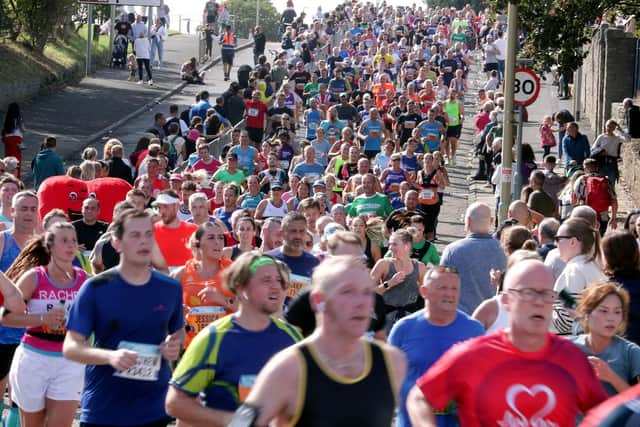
245,15
458,4
39,19
559,31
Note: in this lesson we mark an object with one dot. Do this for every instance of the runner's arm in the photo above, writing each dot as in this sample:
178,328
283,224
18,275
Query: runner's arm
96,257
275,394
157,260
79,348
189,410
13,299
420,412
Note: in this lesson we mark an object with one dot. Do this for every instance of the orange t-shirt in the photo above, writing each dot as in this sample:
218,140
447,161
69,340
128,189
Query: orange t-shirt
173,242
202,314
380,93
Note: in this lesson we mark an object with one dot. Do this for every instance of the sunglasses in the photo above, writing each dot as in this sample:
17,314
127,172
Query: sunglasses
558,238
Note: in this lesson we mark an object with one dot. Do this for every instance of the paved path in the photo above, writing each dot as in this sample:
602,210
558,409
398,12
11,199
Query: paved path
75,114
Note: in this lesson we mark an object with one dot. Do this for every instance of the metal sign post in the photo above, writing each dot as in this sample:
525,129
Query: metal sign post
89,37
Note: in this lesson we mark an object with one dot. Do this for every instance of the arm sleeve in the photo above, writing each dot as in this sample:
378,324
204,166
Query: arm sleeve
440,383
196,370
82,312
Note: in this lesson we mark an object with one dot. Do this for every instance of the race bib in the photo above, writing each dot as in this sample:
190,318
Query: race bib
284,164
374,133
297,283
300,86
409,124
147,367
428,197
245,385
313,126
200,317
253,112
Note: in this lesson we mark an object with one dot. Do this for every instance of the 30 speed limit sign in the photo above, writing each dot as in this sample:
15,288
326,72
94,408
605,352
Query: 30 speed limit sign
526,87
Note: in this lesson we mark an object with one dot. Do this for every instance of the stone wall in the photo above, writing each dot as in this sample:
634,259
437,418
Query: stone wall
607,74
630,153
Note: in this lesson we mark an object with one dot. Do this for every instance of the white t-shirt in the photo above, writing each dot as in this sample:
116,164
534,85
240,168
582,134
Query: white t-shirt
501,44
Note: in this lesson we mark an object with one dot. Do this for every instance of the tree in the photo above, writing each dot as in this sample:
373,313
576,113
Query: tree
558,31
39,18
245,17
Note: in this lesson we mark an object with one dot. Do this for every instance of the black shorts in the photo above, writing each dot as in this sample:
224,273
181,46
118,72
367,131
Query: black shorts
227,56
490,66
454,131
431,213
256,136
371,154
6,356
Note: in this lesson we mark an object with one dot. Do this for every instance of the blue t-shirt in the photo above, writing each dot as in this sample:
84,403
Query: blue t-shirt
622,356
223,215
313,171
424,343
212,364
119,314
301,269
10,252
322,150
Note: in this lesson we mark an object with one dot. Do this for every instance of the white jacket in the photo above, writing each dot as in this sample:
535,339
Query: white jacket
142,48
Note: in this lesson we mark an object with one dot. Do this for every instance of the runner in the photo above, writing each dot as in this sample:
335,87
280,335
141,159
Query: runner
211,365
45,386
204,296
335,367
524,359
126,324
171,234
228,41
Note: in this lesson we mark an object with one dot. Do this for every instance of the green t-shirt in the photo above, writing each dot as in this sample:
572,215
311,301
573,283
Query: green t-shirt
377,204
223,175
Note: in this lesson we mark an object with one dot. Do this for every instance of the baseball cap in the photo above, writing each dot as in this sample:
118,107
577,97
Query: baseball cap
276,186
319,183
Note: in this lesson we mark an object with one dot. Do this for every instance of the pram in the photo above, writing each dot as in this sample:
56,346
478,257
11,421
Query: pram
119,51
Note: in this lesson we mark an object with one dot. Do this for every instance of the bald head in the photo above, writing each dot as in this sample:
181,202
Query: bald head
477,218
529,273
519,211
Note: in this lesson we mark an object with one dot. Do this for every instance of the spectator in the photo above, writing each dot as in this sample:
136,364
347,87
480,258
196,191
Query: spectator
575,146
117,167
632,118
47,162
190,73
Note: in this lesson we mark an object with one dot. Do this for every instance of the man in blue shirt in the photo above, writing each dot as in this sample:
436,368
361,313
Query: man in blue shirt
301,263
575,146
201,108
474,257
126,324
309,167
440,324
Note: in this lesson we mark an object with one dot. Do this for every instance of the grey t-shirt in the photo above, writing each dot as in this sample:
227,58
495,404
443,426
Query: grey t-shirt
622,356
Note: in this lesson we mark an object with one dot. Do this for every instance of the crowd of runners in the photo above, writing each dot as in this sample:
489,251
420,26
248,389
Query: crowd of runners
294,279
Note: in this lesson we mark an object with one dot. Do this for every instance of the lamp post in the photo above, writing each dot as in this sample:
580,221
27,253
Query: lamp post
257,12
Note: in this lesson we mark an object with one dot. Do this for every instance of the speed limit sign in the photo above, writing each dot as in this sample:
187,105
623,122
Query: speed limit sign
526,86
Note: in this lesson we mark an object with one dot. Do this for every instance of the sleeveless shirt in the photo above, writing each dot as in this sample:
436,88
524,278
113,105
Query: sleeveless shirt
10,251
406,292
272,211
331,401
502,319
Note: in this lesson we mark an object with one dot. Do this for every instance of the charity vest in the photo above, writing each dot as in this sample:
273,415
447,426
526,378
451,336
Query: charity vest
453,112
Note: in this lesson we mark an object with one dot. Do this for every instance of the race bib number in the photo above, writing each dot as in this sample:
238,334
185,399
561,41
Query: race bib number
297,283
276,117
410,124
428,197
313,126
374,133
245,385
147,367
284,164
253,112
452,117
299,86
200,317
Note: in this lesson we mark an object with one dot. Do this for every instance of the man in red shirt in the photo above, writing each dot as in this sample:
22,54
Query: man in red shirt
206,161
256,115
171,234
521,376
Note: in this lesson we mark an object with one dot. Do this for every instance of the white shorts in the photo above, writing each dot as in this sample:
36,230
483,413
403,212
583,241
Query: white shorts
35,377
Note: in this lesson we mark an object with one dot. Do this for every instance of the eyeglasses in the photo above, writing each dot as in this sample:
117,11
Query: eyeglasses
558,238
548,296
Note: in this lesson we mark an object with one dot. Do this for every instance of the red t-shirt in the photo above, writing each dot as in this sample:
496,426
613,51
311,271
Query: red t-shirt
211,167
173,242
496,384
255,113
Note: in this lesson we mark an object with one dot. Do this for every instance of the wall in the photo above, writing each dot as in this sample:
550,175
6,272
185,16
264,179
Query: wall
607,74
630,153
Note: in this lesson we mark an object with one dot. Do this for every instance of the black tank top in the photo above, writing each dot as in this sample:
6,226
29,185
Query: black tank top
110,257
367,401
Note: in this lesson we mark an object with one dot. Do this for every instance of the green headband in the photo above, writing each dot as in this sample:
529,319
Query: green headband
260,261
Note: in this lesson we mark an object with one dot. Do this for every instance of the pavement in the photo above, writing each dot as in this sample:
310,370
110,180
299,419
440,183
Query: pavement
106,105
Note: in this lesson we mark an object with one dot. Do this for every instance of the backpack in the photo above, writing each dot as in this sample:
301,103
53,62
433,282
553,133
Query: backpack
597,194
420,253
172,155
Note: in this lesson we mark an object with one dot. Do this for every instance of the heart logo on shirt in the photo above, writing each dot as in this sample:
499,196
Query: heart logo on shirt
539,398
